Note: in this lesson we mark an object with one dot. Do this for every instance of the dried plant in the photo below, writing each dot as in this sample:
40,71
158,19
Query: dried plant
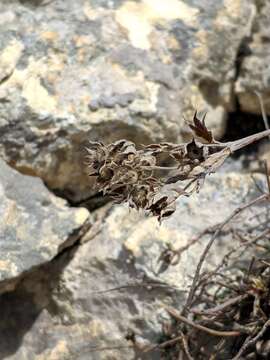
233,312
137,176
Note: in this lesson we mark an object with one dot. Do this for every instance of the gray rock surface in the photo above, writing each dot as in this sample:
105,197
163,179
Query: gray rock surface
78,70
73,71
89,298
254,72
35,225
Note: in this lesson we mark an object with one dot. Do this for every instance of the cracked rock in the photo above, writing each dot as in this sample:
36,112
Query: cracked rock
254,75
73,71
86,303
34,225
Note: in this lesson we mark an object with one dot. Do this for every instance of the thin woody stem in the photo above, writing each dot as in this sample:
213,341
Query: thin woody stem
233,145
239,144
209,245
213,332
154,167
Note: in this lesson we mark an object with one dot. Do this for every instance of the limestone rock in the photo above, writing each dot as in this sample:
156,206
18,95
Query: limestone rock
34,224
85,303
103,70
254,74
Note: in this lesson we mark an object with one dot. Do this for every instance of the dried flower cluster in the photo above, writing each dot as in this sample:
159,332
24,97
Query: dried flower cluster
137,176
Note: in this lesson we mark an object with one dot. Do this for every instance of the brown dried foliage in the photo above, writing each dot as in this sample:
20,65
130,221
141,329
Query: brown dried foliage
137,176
236,314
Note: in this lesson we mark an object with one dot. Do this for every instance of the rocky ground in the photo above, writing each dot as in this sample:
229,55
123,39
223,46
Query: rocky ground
74,281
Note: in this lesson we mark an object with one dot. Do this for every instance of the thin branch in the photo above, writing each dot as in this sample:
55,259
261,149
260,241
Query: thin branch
267,176
185,346
210,243
252,341
164,344
109,348
213,332
220,307
239,144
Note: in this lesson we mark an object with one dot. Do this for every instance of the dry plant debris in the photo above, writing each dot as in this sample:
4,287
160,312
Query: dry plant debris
232,312
139,177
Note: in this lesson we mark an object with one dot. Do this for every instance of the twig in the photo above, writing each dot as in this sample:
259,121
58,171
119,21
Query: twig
147,285
246,244
267,176
213,332
264,116
259,188
227,286
193,241
220,307
109,348
210,243
251,341
185,346
239,144
164,344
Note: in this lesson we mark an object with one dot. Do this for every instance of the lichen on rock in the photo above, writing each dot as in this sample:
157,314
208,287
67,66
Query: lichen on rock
73,71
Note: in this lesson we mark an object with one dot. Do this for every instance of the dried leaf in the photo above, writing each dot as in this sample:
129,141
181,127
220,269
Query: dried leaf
200,128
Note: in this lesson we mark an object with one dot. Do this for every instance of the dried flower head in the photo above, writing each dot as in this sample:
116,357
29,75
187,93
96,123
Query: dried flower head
138,177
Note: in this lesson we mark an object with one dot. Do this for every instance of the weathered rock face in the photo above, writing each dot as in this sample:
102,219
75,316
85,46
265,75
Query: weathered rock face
112,283
78,70
34,227
73,71
254,74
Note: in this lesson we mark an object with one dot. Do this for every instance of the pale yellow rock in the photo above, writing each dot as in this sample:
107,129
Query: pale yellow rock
119,215
81,215
148,104
60,351
38,97
82,40
11,213
201,51
29,81
8,266
137,237
22,231
50,239
9,58
151,229
139,18
89,12
232,9
235,182
195,100
96,328
50,36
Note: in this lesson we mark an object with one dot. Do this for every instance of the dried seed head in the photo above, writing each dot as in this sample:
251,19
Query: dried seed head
139,177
